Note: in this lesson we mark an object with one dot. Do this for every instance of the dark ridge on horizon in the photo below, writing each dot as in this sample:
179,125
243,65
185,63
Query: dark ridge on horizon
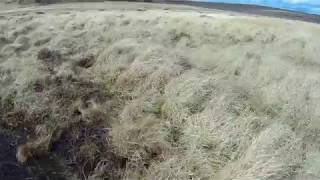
251,9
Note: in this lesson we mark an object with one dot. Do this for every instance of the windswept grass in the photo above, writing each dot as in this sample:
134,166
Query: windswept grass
156,95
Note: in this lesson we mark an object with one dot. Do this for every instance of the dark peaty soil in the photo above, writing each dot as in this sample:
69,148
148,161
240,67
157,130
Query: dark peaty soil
10,169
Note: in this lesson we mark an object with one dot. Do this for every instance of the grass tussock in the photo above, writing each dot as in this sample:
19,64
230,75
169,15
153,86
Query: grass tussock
73,116
164,95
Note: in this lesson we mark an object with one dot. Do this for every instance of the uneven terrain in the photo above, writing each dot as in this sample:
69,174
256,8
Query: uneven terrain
127,91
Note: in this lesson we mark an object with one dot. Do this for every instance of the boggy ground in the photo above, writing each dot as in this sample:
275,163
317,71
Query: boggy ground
71,121
9,166
154,93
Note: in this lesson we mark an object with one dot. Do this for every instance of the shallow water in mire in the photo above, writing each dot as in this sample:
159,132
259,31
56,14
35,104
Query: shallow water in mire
48,168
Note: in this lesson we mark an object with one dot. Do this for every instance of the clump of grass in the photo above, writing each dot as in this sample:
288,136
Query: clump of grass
69,104
263,159
139,136
187,166
86,61
50,58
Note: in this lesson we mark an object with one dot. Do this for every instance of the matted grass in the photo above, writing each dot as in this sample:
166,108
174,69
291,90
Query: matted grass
165,95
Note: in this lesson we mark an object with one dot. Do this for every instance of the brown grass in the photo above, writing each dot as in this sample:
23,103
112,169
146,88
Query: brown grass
72,108
167,96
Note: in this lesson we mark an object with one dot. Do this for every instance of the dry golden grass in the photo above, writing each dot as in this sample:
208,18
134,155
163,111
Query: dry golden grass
183,96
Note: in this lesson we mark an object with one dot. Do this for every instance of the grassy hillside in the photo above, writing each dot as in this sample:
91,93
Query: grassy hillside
158,94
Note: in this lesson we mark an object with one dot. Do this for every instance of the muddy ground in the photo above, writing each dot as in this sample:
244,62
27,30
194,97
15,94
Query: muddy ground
10,168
